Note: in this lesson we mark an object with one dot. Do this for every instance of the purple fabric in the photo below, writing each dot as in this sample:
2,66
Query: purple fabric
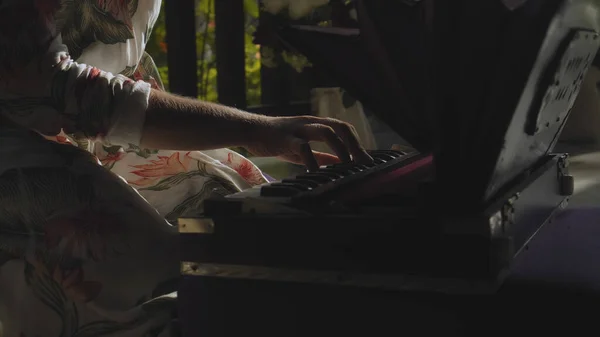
565,251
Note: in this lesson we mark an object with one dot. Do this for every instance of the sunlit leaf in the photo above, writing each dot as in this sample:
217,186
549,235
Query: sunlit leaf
251,8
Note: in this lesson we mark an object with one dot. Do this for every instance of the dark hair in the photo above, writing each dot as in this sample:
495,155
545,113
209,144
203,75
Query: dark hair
26,31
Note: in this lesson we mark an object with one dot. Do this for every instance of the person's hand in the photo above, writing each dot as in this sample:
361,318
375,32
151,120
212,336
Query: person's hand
288,138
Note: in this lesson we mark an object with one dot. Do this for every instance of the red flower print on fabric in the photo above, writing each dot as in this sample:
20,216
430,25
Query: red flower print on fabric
245,169
162,168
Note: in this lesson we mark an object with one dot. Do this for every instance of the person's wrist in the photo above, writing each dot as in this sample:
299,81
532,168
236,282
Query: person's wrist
257,130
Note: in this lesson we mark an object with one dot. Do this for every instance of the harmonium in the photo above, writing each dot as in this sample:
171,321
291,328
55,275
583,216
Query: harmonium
423,239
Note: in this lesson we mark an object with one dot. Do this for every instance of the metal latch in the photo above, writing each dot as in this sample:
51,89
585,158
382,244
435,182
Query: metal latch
502,220
508,212
566,182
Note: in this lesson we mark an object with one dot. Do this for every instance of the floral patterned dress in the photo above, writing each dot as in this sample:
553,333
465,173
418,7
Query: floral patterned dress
85,249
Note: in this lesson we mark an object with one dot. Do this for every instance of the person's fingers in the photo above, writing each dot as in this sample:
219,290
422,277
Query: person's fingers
325,158
301,148
350,138
324,133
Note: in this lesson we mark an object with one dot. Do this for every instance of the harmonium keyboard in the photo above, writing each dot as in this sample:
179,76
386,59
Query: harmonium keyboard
331,253
344,180
481,90
372,225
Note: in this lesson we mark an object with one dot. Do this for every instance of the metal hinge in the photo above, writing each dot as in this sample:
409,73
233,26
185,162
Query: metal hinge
501,221
566,182
508,212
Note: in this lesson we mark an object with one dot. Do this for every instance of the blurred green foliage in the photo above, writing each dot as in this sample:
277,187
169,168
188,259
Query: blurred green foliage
205,42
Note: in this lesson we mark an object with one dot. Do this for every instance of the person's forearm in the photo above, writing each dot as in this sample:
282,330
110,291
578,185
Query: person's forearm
179,123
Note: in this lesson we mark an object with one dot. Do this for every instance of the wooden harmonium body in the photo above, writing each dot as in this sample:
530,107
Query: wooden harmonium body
481,89
251,266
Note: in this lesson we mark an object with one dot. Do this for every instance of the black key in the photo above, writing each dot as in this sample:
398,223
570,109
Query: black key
278,191
308,183
395,154
341,172
319,178
383,156
331,175
299,187
378,161
349,167
392,153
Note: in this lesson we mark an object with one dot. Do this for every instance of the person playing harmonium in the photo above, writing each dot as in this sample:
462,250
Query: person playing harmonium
87,203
